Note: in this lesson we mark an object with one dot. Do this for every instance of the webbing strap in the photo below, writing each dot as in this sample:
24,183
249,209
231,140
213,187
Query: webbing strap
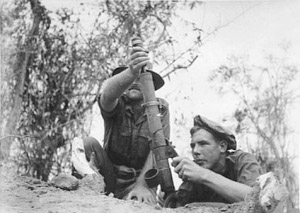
151,103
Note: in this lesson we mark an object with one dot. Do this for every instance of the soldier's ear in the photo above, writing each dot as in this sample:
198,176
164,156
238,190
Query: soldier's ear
223,146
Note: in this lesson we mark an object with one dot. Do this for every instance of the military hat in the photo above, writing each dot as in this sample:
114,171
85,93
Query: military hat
216,129
158,81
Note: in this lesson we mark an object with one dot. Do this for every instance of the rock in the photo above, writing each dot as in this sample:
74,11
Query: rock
94,182
65,181
272,191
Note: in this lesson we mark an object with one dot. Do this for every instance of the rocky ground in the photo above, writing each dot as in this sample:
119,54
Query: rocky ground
22,194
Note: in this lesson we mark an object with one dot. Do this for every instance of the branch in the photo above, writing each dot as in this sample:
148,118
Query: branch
18,136
180,67
229,22
180,56
21,66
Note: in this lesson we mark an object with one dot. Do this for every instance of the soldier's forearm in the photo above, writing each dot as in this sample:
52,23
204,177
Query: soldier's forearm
231,190
114,87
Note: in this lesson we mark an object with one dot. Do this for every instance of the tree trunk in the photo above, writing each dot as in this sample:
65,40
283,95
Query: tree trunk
20,70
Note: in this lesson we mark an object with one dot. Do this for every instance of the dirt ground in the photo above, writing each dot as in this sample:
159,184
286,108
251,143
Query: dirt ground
22,194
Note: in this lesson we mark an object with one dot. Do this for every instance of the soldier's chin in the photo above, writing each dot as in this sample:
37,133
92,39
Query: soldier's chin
134,95
202,164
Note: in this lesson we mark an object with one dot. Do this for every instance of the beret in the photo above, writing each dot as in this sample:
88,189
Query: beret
216,129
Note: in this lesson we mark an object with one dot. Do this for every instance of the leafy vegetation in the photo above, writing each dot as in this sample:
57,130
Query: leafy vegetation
54,69
265,97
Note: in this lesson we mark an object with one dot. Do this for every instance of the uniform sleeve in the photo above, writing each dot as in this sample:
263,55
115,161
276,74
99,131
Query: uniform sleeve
248,169
114,112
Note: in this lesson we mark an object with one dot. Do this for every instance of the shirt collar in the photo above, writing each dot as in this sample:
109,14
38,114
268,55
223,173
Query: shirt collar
129,112
229,164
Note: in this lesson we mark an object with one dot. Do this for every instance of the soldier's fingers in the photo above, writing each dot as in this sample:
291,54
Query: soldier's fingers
179,166
181,173
150,200
176,161
138,49
137,61
137,53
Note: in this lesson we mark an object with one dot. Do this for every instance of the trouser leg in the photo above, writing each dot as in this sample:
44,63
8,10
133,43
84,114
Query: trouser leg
104,165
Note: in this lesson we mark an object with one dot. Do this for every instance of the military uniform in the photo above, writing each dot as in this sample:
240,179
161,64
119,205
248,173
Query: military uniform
126,145
240,166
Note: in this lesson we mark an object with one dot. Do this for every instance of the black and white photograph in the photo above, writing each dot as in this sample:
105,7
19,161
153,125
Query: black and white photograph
163,106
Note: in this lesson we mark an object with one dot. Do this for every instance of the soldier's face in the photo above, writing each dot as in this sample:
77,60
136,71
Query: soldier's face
134,91
206,150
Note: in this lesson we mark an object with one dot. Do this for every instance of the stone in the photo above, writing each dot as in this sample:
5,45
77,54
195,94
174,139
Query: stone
94,182
65,181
